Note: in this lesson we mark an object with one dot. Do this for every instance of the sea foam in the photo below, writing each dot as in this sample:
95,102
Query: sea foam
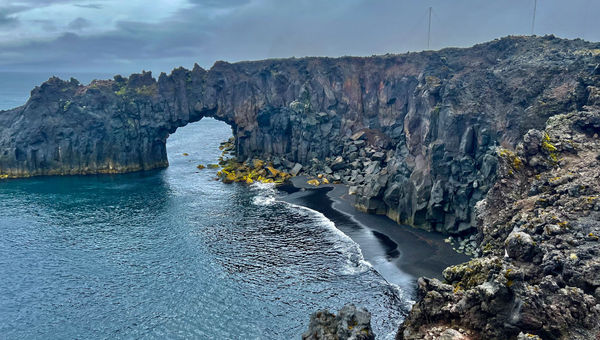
355,262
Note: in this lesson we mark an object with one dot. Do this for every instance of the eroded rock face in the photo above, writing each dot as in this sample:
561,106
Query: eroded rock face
350,323
539,228
414,134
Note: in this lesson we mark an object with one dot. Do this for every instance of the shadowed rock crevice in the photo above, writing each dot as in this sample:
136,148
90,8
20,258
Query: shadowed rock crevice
415,134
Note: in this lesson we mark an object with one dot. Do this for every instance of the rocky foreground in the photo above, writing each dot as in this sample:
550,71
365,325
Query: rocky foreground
539,229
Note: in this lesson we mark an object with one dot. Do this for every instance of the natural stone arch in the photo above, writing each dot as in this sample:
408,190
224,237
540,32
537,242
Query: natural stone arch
437,116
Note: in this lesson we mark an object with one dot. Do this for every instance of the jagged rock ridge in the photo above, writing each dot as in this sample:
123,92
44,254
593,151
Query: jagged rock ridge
431,120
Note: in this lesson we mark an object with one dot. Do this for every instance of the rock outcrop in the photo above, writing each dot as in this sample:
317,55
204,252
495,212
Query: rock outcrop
350,323
539,229
414,134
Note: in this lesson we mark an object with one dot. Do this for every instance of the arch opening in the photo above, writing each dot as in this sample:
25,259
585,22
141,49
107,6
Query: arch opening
197,143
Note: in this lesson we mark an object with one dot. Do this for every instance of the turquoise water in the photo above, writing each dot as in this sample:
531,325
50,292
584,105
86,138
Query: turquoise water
174,254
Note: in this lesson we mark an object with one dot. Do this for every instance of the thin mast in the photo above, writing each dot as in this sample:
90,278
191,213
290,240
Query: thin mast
533,20
429,29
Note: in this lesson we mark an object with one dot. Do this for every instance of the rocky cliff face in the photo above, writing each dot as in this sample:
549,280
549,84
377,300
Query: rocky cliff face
539,229
415,134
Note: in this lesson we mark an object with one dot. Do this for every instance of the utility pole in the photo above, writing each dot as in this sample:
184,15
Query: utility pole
533,20
429,29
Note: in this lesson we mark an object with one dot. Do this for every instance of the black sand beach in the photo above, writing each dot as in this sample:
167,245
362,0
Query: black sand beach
387,245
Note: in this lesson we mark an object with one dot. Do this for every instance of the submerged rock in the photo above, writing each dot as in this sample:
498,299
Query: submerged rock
351,323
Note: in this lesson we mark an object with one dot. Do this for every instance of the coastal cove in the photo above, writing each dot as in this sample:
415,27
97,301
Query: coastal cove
175,252
348,180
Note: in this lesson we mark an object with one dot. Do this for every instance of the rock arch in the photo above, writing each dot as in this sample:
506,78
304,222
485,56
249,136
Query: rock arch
433,117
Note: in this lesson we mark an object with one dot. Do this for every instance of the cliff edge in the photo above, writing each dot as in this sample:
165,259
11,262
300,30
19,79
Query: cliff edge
415,134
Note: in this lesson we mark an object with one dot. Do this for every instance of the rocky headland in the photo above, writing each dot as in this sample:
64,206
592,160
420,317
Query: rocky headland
498,140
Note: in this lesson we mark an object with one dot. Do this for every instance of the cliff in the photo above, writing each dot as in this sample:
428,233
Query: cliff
539,229
414,134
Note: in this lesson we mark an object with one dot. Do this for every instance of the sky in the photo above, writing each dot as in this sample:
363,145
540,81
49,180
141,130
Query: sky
125,36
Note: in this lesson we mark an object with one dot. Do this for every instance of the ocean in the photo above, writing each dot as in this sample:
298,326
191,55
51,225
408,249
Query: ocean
172,253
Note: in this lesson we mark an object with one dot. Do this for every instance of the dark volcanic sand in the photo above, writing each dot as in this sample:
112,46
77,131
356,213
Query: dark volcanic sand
388,246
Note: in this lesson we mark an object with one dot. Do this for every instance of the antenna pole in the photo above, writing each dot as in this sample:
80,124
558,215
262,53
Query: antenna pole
429,29
533,20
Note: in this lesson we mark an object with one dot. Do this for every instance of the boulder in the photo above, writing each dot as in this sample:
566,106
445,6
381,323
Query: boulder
520,246
296,169
351,323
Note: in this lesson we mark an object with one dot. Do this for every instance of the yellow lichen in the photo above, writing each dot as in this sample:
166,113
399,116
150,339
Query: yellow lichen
517,162
548,147
585,51
273,171
257,163
314,182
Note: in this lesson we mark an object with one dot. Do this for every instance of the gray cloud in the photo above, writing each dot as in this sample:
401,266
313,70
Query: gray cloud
220,3
6,20
23,5
235,30
79,24
94,6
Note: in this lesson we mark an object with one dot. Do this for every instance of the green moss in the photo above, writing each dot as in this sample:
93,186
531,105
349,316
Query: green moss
472,273
487,248
122,91
508,277
147,91
67,105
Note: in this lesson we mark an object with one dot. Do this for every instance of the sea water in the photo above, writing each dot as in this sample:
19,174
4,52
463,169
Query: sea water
174,253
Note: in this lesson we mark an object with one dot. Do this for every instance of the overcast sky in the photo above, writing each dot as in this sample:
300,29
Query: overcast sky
131,35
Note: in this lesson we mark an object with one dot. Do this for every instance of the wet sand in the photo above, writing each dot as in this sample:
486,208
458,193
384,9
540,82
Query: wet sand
400,253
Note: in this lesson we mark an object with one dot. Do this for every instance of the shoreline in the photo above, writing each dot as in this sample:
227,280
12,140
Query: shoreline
400,253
